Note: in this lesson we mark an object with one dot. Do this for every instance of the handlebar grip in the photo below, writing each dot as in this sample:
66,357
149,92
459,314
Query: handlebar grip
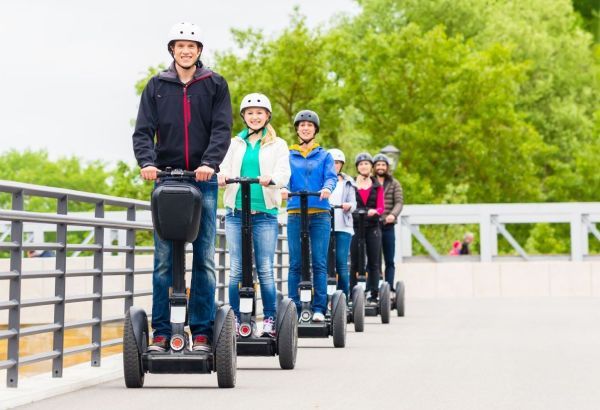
176,173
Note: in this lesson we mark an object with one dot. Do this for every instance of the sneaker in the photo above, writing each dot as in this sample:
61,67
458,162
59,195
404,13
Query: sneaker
201,344
318,317
269,327
159,344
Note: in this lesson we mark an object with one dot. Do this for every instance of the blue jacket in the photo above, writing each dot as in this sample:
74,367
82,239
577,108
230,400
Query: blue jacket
313,173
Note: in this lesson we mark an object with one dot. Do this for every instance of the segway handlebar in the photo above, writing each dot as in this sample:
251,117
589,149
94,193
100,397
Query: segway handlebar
304,193
175,173
245,180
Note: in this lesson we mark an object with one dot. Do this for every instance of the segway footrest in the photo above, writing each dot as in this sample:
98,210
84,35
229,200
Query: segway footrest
371,310
256,346
185,362
313,330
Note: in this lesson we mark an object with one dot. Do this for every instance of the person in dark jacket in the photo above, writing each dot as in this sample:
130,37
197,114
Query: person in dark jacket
184,122
394,201
369,196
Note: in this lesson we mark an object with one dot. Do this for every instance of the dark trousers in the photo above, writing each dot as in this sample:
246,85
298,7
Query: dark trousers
388,241
373,258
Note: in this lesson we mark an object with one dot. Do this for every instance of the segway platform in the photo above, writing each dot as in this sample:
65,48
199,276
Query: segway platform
186,362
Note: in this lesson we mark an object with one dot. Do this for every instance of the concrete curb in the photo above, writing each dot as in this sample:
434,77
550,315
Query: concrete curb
43,386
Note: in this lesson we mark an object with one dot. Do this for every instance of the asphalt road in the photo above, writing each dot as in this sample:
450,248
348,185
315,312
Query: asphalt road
445,354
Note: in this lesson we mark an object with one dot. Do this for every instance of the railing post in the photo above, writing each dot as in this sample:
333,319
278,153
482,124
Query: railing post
488,237
14,314
98,286
59,289
405,242
222,253
576,235
130,260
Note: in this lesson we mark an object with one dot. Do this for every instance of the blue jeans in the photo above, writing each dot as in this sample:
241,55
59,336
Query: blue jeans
319,225
342,250
264,240
201,307
388,239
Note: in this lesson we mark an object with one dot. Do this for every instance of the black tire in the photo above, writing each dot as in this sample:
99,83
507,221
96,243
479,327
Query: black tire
338,322
132,357
385,303
287,337
400,298
358,310
226,353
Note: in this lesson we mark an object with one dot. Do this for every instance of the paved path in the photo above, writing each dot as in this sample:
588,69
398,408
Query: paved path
446,354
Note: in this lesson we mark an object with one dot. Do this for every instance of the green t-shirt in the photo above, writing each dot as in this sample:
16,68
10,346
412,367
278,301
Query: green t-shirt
251,169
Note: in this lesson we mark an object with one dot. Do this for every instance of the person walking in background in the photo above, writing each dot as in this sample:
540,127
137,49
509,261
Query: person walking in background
467,241
394,201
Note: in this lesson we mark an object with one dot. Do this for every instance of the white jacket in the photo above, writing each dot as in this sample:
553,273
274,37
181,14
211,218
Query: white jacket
274,161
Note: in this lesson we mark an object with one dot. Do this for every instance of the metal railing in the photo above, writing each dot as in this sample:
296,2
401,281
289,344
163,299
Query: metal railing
17,216
492,220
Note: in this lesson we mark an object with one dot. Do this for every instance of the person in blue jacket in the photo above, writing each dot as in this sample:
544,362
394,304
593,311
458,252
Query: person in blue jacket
312,170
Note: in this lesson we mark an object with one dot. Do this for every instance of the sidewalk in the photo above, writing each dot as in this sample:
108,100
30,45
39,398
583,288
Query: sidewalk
43,386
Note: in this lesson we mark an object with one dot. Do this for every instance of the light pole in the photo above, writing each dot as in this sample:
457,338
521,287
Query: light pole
393,154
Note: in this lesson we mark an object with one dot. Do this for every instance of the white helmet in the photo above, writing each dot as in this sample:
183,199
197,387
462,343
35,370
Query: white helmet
337,155
184,31
255,100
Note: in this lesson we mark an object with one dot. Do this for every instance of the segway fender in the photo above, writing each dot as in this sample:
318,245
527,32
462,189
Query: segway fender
337,298
139,322
218,326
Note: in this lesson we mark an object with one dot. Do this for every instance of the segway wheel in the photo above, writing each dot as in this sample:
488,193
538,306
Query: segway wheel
132,357
338,321
358,310
226,353
287,338
385,303
400,298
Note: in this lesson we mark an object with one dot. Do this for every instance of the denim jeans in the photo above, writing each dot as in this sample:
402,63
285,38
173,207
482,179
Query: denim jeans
264,240
388,240
342,250
318,225
201,306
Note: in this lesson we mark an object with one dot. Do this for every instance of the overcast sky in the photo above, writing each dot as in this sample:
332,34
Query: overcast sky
68,68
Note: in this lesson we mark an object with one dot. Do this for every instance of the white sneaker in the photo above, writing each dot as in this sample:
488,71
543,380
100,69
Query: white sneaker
318,317
269,327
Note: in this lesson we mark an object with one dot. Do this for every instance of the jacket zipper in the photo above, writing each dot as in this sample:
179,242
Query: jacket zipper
187,118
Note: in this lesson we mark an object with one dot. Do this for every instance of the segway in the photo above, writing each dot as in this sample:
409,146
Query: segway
382,306
176,208
336,317
356,305
285,343
397,299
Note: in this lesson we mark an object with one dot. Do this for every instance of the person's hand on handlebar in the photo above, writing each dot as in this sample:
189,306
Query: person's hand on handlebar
372,212
264,180
284,193
221,180
149,173
204,173
325,193
346,206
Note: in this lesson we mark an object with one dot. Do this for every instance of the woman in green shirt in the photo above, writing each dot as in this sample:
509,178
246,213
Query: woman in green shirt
256,152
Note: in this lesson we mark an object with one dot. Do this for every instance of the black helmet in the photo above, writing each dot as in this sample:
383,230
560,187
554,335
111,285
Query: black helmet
381,157
307,115
363,156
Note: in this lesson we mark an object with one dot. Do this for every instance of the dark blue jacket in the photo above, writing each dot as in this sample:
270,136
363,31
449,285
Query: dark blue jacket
312,173
191,122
